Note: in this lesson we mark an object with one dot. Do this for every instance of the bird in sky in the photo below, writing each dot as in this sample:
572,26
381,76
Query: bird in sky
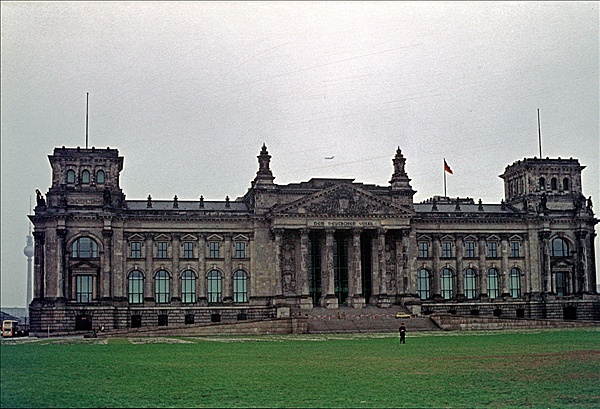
329,157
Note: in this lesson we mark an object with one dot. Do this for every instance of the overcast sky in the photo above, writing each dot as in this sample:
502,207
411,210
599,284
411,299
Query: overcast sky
188,92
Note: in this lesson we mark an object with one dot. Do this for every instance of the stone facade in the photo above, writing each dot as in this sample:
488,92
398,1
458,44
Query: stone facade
101,259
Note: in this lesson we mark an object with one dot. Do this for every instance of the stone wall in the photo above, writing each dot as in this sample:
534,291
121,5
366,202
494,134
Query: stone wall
455,323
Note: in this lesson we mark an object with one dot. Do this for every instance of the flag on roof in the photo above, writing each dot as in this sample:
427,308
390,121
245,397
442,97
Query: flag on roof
447,168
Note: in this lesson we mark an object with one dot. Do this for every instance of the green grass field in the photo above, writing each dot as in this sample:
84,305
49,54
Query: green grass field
559,368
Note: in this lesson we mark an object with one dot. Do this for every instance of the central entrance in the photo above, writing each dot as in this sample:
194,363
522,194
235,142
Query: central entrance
340,266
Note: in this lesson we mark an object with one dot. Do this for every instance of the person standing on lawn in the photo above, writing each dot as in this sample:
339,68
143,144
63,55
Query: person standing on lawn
402,331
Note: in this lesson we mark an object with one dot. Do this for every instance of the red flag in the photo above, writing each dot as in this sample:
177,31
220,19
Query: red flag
447,168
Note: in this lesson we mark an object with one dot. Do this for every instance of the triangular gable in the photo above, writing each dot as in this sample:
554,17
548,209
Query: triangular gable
188,237
470,238
136,237
423,237
241,237
342,199
84,265
162,237
493,238
447,238
214,237
515,238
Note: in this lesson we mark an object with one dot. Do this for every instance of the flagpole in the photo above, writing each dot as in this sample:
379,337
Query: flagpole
444,169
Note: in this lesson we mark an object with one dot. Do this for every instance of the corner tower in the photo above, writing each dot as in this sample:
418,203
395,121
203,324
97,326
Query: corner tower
544,184
85,179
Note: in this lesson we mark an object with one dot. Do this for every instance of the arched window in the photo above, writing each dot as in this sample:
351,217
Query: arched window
447,289
240,286
85,177
70,176
188,286
161,288
515,282
566,184
84,247
100,177
492,283
554,184
423,279
542,184
560,248
470,283
135,287
215,286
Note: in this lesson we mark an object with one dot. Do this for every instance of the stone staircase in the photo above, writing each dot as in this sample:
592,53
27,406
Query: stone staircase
368,319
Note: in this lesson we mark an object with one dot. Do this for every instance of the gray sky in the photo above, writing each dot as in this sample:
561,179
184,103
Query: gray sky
188,92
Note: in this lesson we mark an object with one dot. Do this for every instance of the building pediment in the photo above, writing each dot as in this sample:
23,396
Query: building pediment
342,199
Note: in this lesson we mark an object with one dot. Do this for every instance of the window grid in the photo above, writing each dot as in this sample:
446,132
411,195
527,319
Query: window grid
470,249
423,249
188,249
162,287
514,249
561,283
214,287
470,283
560,248
84,247
240,286
446,281
515,282
492,283
240,249
213,247
84,289
136,249
136,287
446,249
162,249
188,287
423,284
85,177
492,249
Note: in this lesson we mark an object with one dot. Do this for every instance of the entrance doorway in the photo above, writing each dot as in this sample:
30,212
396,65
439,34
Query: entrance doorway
314,268
83,322
340,266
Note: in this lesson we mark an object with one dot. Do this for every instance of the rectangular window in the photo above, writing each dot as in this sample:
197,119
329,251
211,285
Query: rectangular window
514,249
163,320
446,249
136,249
240,249
492,249
213,247
188,249
84,289
162,249
470,249
423,249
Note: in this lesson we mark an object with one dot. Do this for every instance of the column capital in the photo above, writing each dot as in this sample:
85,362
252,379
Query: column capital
62,233
304,232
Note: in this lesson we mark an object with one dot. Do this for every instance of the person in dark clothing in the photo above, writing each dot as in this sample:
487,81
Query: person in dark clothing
402,331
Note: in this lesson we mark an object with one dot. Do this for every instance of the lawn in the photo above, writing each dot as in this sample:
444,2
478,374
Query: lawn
550,368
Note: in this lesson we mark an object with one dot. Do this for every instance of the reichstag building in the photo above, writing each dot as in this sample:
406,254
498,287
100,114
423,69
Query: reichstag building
323,243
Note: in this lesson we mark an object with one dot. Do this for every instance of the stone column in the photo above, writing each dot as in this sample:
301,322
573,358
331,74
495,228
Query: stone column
460,269
107,275
175,288
527,267
61,269
228,279
148,267
278,262
375,278
305,300
358,299
505,266
435,279
580,281
482,266
328,300
38,264
383,300
401,281
545,251
201,286
410,241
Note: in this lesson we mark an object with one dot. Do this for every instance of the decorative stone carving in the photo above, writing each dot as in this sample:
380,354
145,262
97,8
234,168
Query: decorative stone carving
289,268
345,201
